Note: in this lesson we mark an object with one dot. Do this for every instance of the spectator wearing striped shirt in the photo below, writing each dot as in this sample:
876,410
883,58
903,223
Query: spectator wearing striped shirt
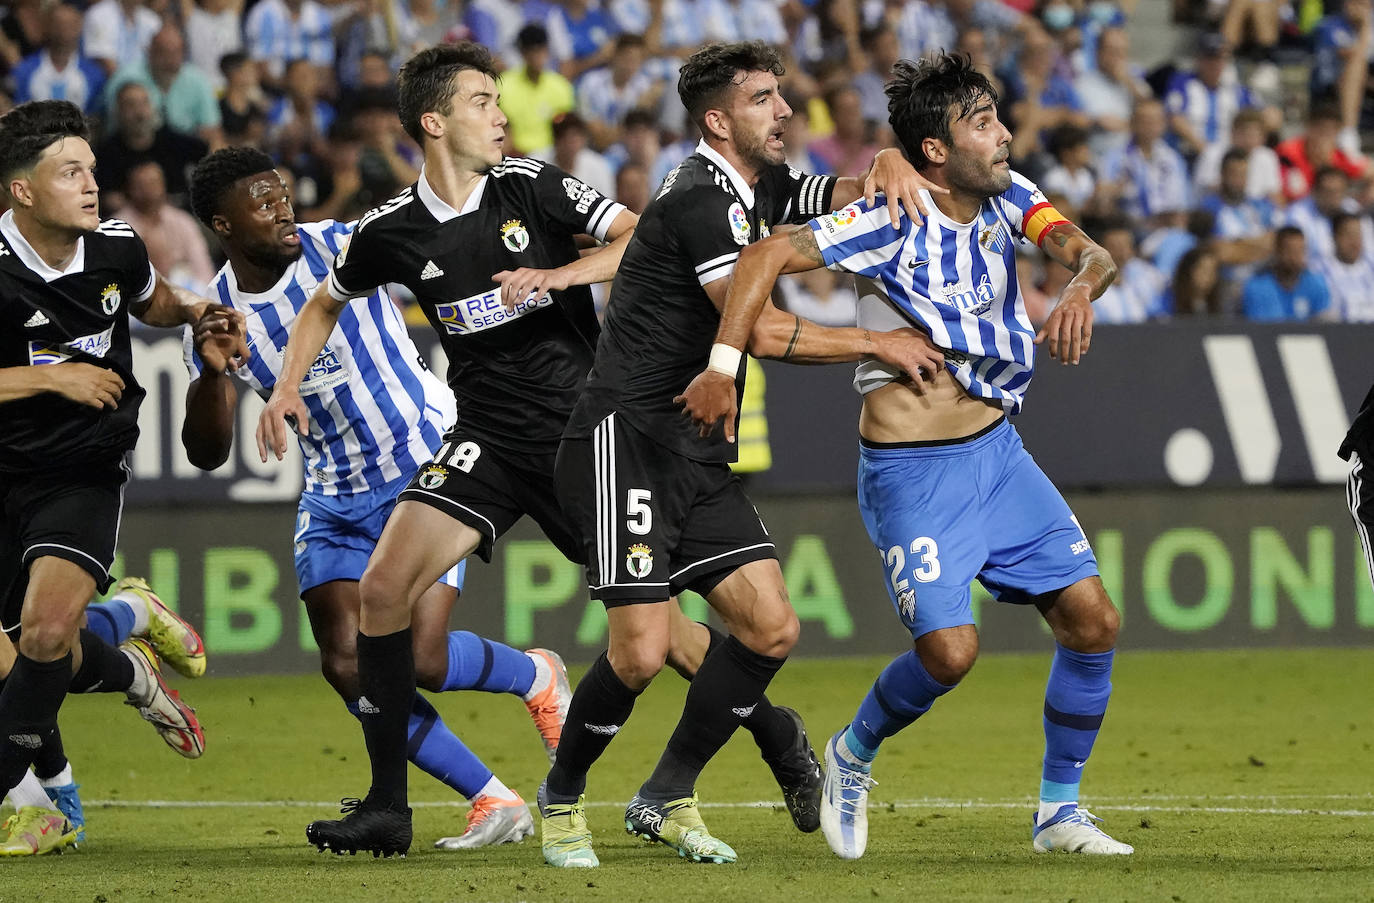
59,71
1248,133
1202,103
1289,290
1349,272
301,108
627,82
117,32
1137,294
1243,231
1148,175
278,31
214,29
1313,214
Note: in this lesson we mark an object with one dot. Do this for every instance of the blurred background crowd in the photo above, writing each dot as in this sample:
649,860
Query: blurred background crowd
1216,148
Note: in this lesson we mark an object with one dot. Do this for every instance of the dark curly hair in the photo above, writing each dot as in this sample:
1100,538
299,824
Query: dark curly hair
428,79
216,174
28,130
710,72
921,96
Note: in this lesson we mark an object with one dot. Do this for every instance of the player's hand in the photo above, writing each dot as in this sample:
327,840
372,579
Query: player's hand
1069,328
709,397
272,431
912,351
219,339
895,177
86,384
519,285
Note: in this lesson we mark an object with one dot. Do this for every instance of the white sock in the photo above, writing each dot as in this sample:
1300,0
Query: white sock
29,792
138,607
1049,807
543,674
141,689
61,779
495,788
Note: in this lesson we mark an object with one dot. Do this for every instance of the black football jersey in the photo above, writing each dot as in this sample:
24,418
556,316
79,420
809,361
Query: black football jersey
81,315
660,323
1360,438
515,375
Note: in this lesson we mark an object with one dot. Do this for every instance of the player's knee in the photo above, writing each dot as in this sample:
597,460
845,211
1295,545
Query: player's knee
47,639
637,665
380,589
431,670
340,671
1095,632
950,666
776,634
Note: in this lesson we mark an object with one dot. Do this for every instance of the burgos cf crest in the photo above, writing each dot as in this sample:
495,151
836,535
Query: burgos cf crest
433,476
109,299
515,236
640,561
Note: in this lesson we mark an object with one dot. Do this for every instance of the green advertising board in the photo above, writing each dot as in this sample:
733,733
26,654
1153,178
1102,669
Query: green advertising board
1188,569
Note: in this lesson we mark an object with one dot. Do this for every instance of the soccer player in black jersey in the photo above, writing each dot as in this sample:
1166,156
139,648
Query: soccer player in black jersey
1358,449
656,504
69,401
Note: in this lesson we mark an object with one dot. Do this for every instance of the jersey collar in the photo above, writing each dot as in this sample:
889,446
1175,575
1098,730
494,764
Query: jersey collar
29,257
438,207
742,188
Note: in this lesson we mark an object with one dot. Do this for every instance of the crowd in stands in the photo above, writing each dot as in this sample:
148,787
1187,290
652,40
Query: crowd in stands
1228,182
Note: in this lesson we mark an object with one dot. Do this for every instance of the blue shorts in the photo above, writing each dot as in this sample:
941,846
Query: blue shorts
335,535
942,514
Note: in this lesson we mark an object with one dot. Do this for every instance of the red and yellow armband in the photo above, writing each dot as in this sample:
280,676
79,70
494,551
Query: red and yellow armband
1038,220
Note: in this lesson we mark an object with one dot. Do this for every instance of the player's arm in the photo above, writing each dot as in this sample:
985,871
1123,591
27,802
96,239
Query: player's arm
207,433
1069,328
749,320
599,265
79,382
311,329
170,305
891,174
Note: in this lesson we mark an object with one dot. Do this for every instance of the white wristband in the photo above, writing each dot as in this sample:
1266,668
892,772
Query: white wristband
725,359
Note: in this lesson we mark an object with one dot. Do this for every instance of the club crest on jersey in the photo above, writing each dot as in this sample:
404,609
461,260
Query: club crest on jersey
515,236
739,224
837,222
109,299
433,476
640,560
993,239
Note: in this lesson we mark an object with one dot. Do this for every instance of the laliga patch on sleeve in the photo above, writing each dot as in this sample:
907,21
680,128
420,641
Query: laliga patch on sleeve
739,224
837,222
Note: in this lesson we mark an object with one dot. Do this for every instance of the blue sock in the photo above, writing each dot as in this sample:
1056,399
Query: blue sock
112,621
902,693
438,752
1075,702
475,663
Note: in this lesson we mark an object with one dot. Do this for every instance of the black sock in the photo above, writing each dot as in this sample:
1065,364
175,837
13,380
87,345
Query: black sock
773,732
104,669
51,758
601,704
726,690
386,680
28,711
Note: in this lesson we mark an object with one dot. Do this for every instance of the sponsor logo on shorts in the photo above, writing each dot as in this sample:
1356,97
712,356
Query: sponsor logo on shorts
433,476
1080,547
28,741
640,560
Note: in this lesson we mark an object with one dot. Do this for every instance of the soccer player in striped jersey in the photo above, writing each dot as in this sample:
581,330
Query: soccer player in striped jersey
946,489
375,413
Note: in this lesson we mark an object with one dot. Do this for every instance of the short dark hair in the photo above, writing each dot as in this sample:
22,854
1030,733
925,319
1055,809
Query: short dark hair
1289,232
640,117
1066,137
216,174
29,129
921,95
531,36
428,79
230,62
1235,154
1326,171
1340,219
711,72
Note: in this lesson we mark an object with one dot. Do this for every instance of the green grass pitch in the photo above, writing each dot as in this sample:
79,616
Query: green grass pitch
1237,776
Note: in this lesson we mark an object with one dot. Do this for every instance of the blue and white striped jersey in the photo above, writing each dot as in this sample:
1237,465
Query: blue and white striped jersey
955,281
376,411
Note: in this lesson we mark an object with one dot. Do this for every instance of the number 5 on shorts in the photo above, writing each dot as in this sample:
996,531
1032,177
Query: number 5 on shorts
639,517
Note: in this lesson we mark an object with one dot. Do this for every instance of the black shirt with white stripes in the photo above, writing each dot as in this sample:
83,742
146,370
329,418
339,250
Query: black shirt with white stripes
515,375
78,314
660,323
1360,438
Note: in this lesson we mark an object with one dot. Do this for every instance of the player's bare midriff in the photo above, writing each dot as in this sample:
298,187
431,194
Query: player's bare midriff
896,413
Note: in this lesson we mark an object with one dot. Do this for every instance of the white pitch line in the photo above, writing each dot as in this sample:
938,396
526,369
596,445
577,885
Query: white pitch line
932,803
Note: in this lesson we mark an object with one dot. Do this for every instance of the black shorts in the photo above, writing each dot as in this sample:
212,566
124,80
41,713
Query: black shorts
654,522
1359,496
71,514
490,488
